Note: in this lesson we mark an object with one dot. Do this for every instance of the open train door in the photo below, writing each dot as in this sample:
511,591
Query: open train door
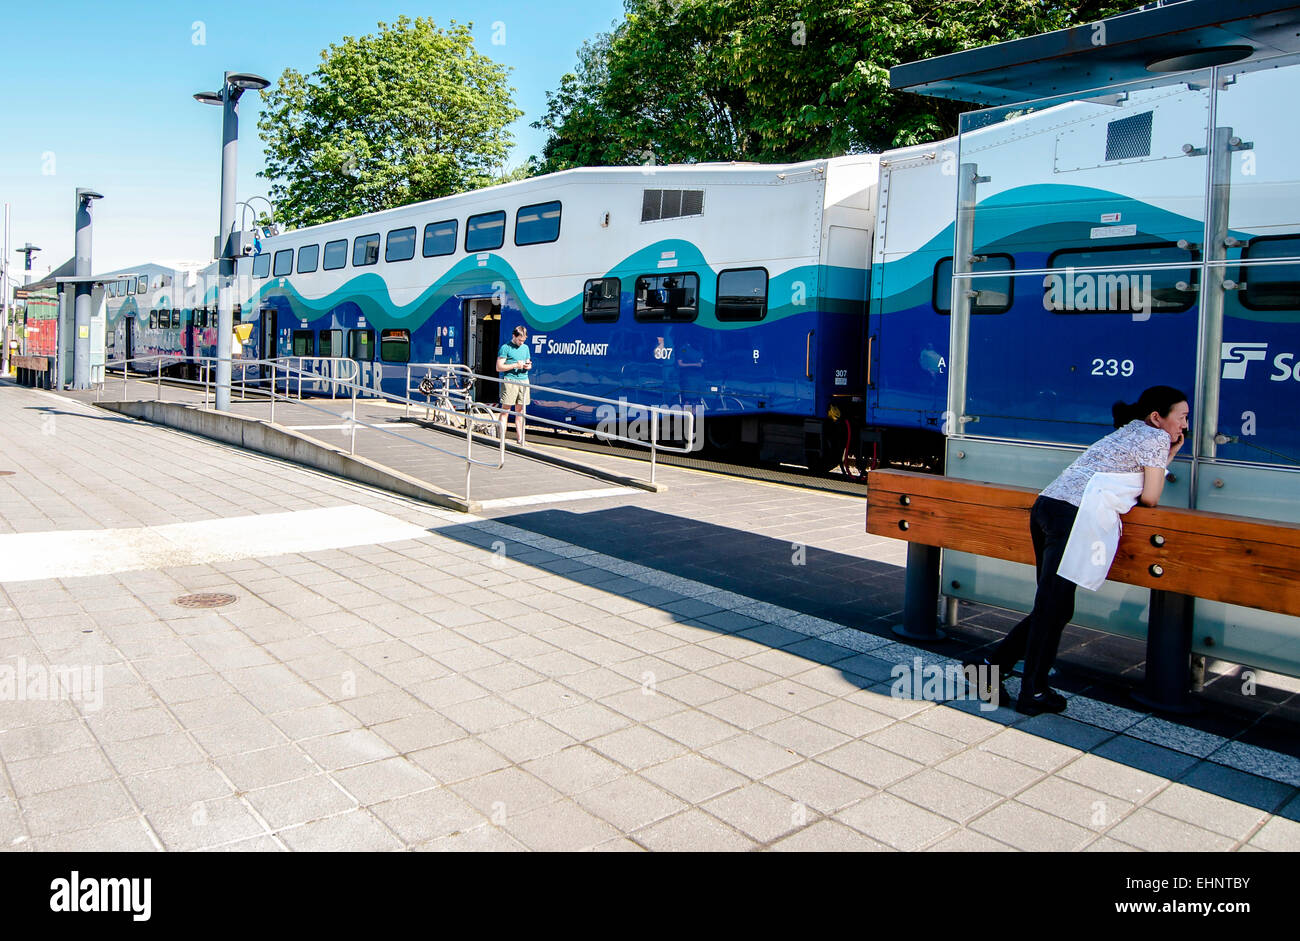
482,318
268,347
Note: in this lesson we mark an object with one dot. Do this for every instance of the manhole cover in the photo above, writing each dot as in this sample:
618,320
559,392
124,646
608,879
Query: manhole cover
206,599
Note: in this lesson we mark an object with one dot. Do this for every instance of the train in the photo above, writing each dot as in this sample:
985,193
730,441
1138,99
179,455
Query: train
804,309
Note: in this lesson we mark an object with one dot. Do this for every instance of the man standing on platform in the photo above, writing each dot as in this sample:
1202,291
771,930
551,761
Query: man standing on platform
513,364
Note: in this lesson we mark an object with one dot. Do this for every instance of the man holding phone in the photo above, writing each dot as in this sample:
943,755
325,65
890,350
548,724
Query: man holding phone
513,364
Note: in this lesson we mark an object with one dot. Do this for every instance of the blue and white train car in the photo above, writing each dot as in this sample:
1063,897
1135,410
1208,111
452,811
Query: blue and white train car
1109,239
162,316
735,289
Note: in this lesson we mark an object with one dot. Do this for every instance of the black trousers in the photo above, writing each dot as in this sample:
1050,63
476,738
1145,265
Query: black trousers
1036,637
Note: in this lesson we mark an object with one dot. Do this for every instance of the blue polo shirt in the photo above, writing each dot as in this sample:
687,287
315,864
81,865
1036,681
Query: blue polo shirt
512,354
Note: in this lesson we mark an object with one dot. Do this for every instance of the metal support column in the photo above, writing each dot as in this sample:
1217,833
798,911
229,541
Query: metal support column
921,594
1169,654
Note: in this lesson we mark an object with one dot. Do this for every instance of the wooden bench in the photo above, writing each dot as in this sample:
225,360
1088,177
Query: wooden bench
1178,554
32,370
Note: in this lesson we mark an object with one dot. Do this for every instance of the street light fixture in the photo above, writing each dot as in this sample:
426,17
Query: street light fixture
27,251
233,85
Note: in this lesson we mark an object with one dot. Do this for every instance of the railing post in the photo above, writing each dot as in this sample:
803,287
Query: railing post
159,380
1169,654
921,594
204,366
272,392
354,419
407,396
469,450
654,441
124,362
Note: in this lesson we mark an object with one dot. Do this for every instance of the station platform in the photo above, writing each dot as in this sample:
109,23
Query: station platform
575,666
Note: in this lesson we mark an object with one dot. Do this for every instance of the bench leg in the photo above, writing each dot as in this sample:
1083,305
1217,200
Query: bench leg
1167,687
921,595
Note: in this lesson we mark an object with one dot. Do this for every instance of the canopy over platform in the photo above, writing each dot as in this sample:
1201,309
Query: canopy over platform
1157,38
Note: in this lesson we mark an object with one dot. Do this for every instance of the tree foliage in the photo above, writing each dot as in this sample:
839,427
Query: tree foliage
406,114
692,80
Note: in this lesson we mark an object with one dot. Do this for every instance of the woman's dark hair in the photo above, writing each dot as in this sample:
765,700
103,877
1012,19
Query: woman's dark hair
1155,399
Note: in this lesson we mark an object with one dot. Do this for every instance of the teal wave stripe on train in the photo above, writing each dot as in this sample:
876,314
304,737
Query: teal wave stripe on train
792,292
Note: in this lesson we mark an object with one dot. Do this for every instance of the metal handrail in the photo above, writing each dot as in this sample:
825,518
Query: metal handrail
655,412
207,363
334,364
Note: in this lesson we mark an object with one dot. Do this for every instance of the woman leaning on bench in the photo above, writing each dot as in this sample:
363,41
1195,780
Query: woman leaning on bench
1148,434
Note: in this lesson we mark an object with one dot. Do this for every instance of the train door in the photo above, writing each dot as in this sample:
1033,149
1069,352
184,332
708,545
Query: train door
269,346
128,338
482,341
189,322
361,347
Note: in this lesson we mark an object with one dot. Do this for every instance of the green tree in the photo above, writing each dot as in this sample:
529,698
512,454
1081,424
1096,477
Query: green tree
691,80
406,114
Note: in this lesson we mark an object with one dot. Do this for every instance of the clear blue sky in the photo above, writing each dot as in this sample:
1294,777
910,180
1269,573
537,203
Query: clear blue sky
98,93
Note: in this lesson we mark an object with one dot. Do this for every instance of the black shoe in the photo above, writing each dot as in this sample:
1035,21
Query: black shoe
1032,704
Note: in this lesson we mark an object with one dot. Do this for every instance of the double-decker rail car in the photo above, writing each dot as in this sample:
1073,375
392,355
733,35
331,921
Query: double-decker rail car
736,290
162,316
1094,244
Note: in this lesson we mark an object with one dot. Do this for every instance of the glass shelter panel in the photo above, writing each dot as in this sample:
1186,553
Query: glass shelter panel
1256,108
1259,377
1125,167
1071,344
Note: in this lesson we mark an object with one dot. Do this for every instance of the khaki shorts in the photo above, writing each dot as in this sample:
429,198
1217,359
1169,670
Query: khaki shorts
514,392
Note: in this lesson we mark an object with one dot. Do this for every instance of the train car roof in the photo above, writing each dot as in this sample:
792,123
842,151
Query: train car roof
1161,37
679,173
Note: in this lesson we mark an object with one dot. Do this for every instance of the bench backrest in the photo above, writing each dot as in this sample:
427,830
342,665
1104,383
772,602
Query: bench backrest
1233,559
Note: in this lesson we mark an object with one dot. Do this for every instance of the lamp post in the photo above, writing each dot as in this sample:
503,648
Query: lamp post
81,270
27,251
233,85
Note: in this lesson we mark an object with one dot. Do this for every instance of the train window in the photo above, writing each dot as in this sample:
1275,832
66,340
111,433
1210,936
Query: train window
153,320
1115,292
395,345
283,263
365,250
663,298
336,254
1270,287
742,294
303,343
142,286
200,318
671,204
176,319
995,294
440,238
262,265
400,245
331,343
600,300
485,232
537,224
308,259
361,345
